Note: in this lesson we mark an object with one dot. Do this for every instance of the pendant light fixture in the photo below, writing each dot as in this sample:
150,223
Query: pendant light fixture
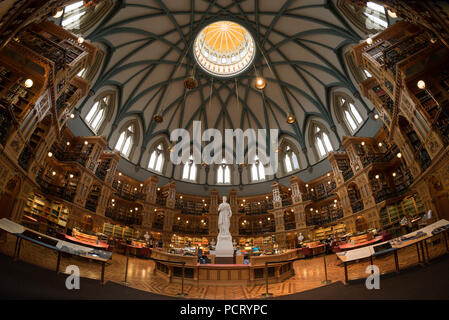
290,118
190,82
261,83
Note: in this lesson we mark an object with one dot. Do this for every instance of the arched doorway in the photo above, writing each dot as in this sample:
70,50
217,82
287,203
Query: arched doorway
361,224
158,220
415,143
87,223
92,198
9,196
355,198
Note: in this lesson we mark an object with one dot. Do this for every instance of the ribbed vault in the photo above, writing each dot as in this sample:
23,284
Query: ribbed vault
300,46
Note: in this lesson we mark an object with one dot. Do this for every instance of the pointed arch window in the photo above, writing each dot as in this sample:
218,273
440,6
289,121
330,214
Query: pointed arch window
156,162
351,115
290,160
376,16
72,15
82,73
370,18
97,113
322,142
257,170
126,140
190,170
367,74
224,173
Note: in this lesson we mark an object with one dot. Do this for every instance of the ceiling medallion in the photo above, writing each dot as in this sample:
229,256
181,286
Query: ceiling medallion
224,49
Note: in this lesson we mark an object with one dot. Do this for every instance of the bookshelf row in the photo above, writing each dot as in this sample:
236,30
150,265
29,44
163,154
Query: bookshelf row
410,207
38,207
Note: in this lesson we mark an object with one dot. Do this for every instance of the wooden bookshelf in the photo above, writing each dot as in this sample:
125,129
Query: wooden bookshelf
410,207
119,232
47,212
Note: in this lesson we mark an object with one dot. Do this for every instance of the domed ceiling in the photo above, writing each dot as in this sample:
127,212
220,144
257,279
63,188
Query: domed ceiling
298,48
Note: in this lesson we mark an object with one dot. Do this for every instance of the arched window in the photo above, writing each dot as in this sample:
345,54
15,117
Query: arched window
189,172
125,141
156,162
72,15
290,160
350,114
367,73
82,73
223,173
257,170
322,141
370,18
376,16
359,73
97,113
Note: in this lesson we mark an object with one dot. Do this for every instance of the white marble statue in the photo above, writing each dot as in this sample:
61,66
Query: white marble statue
224,219
224,246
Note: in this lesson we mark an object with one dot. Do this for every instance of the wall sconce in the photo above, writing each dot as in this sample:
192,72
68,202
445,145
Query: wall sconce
421,84
28,83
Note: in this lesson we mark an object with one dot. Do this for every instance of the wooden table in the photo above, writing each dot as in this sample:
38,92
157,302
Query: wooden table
60,246
99,245
348,246
396,244
223,274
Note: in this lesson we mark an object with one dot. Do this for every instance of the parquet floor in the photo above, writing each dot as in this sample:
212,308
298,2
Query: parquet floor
308,273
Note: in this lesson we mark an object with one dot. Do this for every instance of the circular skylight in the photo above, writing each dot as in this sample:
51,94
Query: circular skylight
224,49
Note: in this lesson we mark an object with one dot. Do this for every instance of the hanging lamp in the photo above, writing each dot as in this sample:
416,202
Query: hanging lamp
290,118
260,84
190,82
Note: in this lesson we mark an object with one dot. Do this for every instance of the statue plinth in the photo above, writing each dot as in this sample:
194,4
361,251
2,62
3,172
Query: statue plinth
224,251
224,246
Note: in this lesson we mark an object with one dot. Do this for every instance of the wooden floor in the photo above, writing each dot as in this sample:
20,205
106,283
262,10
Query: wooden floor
308,273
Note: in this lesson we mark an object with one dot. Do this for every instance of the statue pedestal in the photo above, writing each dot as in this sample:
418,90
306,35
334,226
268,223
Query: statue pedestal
224,251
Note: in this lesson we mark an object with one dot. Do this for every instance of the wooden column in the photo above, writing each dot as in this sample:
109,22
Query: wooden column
150,189
213,213
170,201
277,201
